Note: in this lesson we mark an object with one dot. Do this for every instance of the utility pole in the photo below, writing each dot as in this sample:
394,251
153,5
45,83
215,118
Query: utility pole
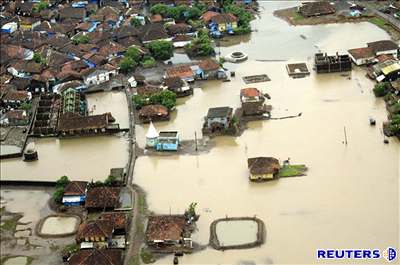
195,140
345,136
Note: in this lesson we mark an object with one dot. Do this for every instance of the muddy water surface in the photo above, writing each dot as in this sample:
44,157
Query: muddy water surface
59,225
232,233
349,198
75,157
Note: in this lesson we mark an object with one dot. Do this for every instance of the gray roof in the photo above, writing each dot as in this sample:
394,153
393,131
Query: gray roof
220,112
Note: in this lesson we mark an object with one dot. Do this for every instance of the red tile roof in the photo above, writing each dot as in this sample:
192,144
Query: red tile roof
361,53
207,16
209,65
98,228
75,188
250,92
97,257
165,227
183,71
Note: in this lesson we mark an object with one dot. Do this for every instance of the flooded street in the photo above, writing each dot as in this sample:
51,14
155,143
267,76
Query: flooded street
75,157
349,198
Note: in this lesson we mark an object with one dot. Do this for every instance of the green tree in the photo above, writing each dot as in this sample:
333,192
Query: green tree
81,39
62,182
381,89
38,58
139,101
40,6
161,50
148,62
244,16
135,22
394,124
133,53
26,106
127,65
160,9
58,194
110,181
396,108
200,46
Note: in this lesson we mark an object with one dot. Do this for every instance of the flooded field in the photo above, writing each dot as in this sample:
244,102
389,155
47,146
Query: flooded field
57,225
75,157
22,244
231,233
349,198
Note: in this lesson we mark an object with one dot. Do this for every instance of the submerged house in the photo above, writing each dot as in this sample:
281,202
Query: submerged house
209,69
362,56
179,86
263,168
75,193
167,141
168,232
331,64
151,136
119,220
184,72
218,119
73,124
252,101
16,117
153,113
312,9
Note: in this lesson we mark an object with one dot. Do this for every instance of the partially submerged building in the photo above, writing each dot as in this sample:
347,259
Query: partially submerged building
153,113
319,8
167,141
332,63
374,51
252,101
386,71
168,233
263,168
218,119
46,118
179,86
98,232
72,124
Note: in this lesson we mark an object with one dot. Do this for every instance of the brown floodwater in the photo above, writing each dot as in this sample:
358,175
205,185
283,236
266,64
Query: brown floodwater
350,196
76,157
237,232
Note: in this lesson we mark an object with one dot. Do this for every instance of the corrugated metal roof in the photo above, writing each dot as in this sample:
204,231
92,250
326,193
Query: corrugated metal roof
391,68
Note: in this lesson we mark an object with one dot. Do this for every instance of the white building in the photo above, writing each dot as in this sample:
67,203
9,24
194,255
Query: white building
98,76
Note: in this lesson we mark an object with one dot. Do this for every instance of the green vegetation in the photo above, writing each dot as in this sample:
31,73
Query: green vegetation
297,16
161,50
196,24
148,62
381,89
26,106
244,16
380,22
180,12
70,249
127,65
40,6
135,22
133,53
166,98
9,225
394,125
200,46
81,39
147,256
191,211
134,260
38,58
110,181
292,170
60,186
395,108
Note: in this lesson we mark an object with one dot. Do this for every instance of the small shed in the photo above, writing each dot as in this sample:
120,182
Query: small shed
168,141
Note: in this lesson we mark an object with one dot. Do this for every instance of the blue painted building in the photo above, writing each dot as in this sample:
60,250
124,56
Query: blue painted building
75,193
167,141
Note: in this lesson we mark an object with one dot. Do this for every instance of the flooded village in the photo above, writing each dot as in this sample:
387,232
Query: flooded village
198,132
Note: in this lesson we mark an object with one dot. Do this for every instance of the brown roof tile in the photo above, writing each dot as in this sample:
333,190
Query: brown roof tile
263,165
